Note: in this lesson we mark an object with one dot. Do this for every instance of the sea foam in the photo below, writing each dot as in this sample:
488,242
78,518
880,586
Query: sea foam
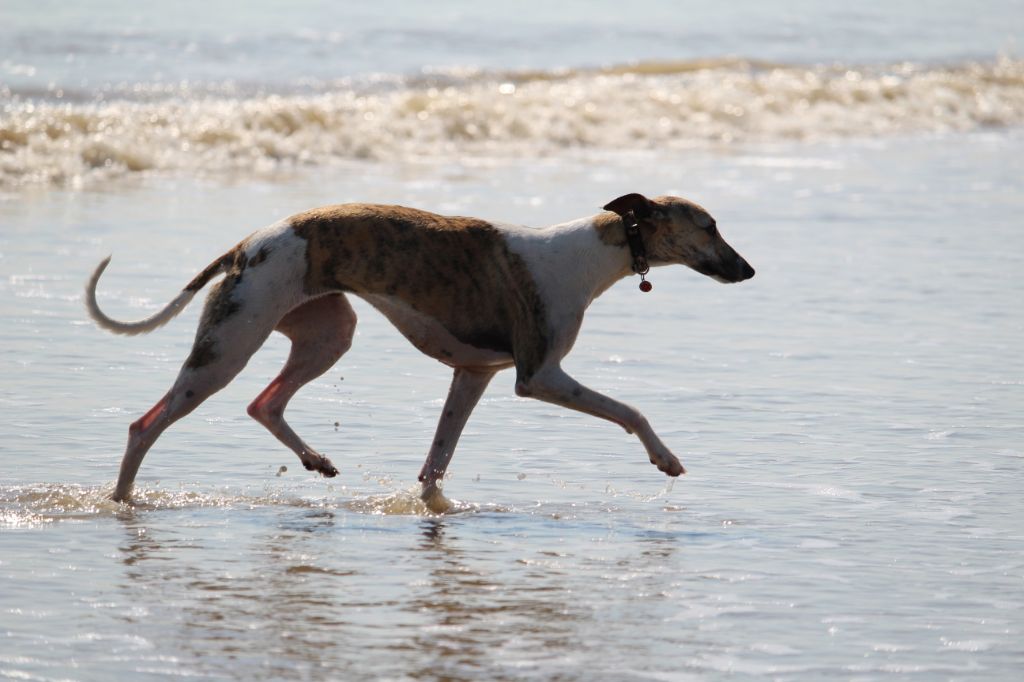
649,106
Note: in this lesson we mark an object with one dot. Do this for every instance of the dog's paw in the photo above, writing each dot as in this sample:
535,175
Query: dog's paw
669,464
323,466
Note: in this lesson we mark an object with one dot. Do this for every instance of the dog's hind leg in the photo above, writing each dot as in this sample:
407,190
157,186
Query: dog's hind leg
228,335
466,389
320,331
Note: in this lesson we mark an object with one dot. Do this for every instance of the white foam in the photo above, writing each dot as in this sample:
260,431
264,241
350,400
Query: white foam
646,106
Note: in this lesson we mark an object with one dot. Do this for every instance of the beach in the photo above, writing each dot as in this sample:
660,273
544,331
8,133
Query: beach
850,418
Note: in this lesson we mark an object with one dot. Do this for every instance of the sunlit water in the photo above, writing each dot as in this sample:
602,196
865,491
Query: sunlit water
850,420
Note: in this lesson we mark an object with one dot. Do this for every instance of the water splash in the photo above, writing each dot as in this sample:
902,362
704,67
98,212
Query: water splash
39,504
408,502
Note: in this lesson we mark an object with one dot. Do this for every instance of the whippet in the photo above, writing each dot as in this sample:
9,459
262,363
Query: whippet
477,296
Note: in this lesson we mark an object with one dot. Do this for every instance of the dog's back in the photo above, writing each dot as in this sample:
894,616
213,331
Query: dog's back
456,272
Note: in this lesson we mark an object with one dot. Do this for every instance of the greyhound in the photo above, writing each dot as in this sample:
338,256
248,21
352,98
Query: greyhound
478,296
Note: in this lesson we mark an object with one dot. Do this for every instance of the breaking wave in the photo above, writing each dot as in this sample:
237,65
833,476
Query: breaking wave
662,105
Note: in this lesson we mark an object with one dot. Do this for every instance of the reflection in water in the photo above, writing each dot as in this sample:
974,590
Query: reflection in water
318,592
483,613
267,590
227,600
374,596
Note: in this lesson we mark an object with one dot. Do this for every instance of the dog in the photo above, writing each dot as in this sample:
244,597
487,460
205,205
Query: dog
478,296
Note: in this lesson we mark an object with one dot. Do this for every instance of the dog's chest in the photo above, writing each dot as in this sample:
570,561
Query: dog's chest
465,347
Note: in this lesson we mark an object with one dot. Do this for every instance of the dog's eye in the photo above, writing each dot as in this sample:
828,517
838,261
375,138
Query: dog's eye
711,229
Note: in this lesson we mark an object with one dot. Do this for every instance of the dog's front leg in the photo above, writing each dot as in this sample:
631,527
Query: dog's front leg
466,389
551,384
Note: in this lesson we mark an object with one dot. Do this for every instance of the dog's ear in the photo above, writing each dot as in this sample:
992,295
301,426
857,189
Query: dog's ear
637,203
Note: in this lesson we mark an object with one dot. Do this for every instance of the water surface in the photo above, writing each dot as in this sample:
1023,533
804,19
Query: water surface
850,418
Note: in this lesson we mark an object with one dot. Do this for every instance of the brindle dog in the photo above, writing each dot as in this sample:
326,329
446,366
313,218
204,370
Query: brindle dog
476,295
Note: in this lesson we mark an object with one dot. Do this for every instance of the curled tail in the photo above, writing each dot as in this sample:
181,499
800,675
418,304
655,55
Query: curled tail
160,318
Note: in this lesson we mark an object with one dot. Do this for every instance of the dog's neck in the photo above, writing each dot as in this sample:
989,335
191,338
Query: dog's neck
589,262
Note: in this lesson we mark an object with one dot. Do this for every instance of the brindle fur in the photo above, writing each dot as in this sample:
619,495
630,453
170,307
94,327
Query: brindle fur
449,265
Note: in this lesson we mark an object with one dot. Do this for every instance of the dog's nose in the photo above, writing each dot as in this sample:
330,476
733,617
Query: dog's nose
748,271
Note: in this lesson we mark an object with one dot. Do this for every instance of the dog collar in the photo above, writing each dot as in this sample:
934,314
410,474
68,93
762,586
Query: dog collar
637,250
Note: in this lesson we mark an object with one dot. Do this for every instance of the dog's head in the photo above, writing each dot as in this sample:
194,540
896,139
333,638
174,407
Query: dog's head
675,230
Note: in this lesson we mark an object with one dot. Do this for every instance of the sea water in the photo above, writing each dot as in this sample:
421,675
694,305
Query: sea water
850,418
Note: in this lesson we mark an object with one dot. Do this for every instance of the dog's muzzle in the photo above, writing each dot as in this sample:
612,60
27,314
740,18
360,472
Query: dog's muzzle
737,271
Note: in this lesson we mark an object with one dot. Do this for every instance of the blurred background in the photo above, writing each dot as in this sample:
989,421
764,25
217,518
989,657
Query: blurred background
108,89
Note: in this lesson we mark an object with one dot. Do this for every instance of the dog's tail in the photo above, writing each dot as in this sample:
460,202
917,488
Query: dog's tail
160,318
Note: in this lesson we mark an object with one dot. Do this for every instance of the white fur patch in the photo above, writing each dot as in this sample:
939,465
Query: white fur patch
570,265
279,276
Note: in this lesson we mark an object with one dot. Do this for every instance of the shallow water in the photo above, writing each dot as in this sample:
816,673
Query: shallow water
850,418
